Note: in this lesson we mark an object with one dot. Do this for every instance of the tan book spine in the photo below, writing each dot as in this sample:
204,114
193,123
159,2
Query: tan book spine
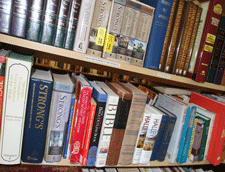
174,37
168,35
192,41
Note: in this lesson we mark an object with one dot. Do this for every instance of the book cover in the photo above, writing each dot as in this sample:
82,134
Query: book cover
122,113
37,114
60,31
49,21
15,95
58,117
208,40
84,26
159,27
35,19
83,95
19,18
134,120
217,137
71,25
107,124
101,98
5,16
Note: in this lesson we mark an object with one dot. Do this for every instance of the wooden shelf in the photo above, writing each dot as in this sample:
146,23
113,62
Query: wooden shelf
152,75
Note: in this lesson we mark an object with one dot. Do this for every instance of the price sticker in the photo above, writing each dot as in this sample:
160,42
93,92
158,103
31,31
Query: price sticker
109,39
100,36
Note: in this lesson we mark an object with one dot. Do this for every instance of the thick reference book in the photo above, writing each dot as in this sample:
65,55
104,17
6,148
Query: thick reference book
100,97
107,125
37,114
215,148
158,32
5,16
122,113
133,123
17,79
83,96
58,116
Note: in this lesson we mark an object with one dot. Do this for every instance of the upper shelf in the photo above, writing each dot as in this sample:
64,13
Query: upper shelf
152,74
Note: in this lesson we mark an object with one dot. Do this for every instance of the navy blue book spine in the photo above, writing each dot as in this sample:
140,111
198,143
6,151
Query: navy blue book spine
158,32
36,120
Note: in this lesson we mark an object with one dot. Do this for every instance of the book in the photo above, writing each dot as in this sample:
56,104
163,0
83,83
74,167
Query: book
71,25
217,140
58,117
107,124
35,19
155,45
151,135
83,96
208,40
122,113
49,21
19,18
5,16
37,114
100,97
134,120
173,91
84,26
15,95
60,31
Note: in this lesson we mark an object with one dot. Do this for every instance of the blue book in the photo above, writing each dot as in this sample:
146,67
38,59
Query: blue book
69,128
158,32
100,97
37,114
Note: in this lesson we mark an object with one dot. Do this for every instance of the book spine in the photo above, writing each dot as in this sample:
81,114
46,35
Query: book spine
49,21
155,45
72,24
82,112
85,149
65,152
5,16
84,26
60,32
208,40
58,120
35,19
12,126
152,133
19,18
36,121
106,132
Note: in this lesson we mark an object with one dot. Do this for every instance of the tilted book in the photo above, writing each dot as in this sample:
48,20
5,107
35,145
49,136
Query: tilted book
5,16
37,114
17,79
133,123
107,124
58,117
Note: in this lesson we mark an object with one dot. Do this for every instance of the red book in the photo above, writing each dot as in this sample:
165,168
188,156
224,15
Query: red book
83,95
85,148
208,39
218,133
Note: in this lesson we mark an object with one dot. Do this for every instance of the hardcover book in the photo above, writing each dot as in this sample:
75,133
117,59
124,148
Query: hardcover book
134,120
58,117
5,16
107,124
37,114
15,95
155,45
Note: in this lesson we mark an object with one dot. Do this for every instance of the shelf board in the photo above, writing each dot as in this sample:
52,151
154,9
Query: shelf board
156,75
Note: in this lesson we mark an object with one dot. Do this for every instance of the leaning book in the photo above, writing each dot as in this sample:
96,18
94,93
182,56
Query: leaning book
17,79
37,113
58,117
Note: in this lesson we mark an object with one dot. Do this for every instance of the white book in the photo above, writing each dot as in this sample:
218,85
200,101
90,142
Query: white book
107,125
178,108
151,135
173,91
17,79
141,136
84,25
157,169
110,169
